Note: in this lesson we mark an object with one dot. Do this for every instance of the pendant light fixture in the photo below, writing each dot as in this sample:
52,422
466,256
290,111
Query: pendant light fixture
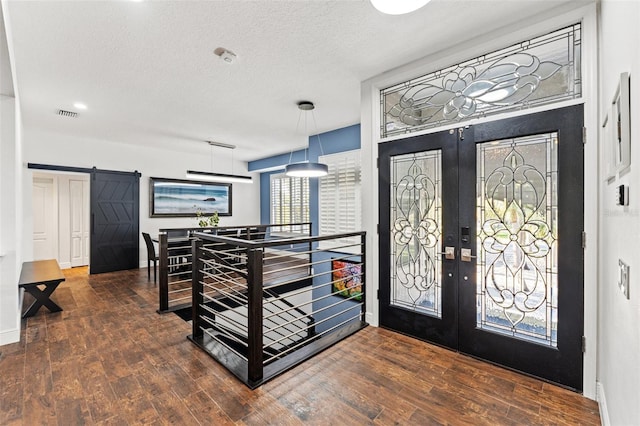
219,177
307,168
398,7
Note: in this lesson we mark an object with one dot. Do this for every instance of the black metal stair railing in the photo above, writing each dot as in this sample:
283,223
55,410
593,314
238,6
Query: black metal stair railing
263,306
175,258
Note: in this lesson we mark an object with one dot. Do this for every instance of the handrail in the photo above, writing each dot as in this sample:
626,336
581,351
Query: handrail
279,242
224,228
175,256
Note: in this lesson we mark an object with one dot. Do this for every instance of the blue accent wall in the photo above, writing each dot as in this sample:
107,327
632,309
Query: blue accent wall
335,141
265,196
321,292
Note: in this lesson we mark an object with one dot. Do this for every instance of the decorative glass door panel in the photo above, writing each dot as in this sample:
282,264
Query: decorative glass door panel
418,219
416,216
481,241
517,272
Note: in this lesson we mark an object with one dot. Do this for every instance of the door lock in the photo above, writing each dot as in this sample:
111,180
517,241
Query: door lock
465,255
449,252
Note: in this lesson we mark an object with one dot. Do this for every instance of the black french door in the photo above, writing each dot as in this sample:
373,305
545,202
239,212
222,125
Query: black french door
481,241
115,218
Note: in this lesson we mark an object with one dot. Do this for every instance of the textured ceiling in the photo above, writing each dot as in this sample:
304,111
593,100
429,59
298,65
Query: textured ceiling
149,76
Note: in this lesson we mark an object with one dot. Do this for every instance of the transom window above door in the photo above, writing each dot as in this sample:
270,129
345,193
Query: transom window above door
534,72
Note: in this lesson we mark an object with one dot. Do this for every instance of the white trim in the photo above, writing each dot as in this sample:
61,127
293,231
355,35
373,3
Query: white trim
602,404
591,198
370,138
9,336
13,335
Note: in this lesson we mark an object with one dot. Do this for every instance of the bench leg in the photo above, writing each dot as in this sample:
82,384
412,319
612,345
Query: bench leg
43,298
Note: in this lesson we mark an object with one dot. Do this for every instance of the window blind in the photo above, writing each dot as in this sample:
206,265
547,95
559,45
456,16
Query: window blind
340,197
289,201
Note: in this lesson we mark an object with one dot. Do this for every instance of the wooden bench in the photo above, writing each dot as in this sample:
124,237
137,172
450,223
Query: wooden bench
38,273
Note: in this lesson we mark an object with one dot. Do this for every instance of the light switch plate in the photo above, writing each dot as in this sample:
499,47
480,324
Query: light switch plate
622,195
623,277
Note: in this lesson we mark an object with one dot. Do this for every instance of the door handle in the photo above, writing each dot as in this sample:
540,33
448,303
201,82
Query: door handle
449,252
465,255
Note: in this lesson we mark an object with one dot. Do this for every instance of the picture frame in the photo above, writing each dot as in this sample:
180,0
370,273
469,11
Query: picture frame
185,198
346,279
608,148
621,124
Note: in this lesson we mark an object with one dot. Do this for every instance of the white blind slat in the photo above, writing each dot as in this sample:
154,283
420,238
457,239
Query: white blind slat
340,204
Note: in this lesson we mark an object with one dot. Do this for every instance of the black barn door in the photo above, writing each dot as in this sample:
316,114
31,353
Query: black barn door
115,221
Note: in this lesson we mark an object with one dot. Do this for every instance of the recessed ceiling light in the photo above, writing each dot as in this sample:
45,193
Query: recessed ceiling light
79,105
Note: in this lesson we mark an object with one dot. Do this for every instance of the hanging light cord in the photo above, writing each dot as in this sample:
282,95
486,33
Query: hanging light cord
313,115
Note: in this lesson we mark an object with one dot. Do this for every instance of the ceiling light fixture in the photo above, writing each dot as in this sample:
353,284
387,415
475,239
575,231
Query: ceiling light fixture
307,168
219,177
398,7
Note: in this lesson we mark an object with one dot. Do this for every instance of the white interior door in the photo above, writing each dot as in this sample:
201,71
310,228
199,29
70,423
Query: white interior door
85,219
79,221
44,219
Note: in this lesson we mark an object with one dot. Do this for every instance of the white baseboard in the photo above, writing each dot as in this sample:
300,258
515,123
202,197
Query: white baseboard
65,265
9,336
13,335
602,403
368,317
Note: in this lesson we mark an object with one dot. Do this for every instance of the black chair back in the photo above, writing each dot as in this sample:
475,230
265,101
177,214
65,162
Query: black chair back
151,250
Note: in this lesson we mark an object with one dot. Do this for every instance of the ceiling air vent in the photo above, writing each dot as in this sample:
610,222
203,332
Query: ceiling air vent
66,113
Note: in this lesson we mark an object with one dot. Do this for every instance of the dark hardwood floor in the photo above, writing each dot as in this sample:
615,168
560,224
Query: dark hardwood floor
109,358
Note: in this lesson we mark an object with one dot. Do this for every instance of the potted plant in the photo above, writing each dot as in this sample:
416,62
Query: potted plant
205,221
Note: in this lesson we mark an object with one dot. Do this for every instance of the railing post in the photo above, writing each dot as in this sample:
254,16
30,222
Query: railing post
254,332
363,259
310,249
197,287
163,290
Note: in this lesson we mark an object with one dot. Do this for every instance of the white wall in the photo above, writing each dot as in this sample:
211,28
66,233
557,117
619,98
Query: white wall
64,150
10,197
619,318
9,247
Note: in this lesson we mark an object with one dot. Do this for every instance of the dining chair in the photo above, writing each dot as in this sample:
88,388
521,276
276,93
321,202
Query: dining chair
151,256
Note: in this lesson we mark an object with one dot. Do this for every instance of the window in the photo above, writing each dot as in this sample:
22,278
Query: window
340,205
535,72
289,202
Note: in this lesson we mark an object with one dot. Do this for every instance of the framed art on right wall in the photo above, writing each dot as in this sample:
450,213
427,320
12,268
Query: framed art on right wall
621,124
346,279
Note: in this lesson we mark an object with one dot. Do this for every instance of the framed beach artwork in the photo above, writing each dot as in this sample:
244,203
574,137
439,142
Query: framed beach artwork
184,198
